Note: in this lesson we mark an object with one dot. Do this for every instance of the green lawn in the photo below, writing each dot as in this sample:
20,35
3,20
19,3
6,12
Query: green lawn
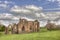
42,35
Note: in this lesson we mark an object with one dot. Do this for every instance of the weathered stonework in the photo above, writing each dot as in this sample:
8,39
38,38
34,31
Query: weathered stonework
14,29
52,26
6,30
24,26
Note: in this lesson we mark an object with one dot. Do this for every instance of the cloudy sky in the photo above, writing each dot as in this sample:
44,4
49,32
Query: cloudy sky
42,10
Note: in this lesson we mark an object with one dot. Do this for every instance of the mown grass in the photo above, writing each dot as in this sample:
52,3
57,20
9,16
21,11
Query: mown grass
42,35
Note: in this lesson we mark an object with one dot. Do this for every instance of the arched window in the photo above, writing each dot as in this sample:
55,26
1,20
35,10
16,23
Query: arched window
31,28
23,28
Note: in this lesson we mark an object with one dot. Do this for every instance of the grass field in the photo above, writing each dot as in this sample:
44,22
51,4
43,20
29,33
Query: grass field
42,35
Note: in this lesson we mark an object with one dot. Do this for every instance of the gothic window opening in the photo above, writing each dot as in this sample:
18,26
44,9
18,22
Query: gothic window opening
23,28
31,28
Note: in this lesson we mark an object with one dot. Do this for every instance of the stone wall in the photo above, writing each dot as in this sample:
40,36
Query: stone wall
14,29
52,26
6,30
25,26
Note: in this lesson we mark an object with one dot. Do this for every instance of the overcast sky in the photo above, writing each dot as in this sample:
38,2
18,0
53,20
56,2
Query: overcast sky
12,10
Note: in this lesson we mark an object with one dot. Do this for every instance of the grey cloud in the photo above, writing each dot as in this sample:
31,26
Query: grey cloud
32,14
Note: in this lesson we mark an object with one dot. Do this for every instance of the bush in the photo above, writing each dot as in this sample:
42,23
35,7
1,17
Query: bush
2,27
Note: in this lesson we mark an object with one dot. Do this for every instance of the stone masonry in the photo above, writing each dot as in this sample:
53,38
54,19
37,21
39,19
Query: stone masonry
24,26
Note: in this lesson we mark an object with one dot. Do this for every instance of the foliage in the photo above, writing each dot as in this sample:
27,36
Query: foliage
2,27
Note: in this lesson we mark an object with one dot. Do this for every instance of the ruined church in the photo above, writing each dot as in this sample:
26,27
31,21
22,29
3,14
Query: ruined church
24,26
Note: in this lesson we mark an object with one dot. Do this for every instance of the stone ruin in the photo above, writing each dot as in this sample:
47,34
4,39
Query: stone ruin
6,30
52,26
23,26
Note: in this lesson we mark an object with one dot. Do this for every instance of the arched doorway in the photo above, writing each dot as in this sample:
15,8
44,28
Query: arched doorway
31,28
23,29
